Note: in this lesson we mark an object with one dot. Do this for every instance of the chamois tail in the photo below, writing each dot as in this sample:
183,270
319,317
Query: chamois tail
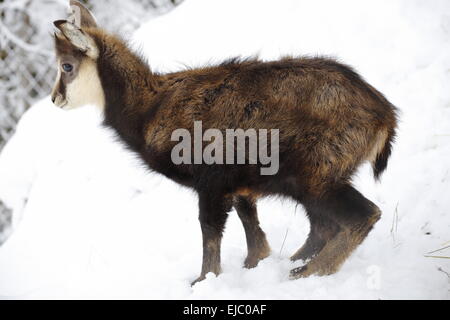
382,151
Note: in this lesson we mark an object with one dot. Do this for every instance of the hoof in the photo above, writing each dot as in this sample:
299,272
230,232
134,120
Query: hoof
309,270
251,262
300,272
201,278
255,257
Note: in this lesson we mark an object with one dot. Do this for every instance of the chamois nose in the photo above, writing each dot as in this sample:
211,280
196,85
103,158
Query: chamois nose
53,99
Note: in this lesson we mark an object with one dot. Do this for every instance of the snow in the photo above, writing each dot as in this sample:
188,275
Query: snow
91,222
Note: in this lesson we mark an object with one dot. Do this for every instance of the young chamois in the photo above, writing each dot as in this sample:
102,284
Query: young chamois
329,122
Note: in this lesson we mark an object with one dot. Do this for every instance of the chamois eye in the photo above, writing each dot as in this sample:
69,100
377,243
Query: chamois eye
67,67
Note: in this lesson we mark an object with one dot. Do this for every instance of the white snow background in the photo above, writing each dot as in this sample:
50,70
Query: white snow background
91,222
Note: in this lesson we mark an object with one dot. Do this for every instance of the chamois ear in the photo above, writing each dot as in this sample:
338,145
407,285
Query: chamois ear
81,16
78,38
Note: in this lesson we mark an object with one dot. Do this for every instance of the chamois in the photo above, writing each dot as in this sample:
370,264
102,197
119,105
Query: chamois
329,119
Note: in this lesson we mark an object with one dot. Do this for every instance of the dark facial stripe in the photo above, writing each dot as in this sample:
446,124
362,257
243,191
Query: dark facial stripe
62,88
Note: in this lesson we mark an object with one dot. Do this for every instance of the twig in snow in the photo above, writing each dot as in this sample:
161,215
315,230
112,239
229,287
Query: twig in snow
287,231
284,240
443,271
394,223
438,250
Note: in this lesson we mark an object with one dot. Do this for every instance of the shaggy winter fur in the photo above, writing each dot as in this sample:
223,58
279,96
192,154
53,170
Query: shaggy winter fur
330,121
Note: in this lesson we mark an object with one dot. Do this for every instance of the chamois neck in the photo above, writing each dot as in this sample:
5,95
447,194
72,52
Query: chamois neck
119,64
128,85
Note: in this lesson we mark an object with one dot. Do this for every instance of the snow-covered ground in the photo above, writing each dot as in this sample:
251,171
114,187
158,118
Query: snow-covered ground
91,222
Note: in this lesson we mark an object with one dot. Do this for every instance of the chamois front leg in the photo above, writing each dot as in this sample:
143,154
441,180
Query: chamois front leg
257,246
213,215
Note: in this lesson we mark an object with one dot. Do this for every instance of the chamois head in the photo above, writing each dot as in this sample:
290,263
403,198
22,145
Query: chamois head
77,82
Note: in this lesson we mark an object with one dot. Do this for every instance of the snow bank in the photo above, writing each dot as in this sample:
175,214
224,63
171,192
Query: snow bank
95,224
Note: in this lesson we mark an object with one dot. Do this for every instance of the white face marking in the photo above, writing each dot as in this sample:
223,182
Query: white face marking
86,88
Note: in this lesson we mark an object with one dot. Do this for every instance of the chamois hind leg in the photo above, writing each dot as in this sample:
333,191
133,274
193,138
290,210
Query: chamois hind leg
257,245
213,215
322,230
355,216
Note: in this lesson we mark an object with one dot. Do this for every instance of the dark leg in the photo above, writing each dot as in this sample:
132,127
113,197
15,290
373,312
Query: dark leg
213,215
322,230
355,216
257,245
